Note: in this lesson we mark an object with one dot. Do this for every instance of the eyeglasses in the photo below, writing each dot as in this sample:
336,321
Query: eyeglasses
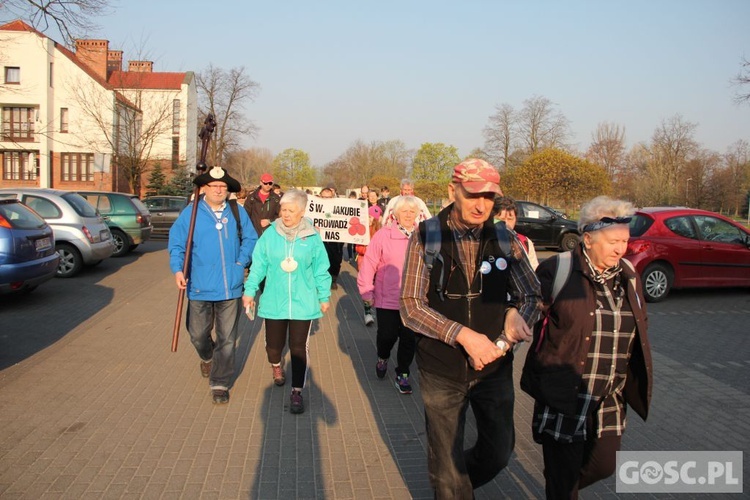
267,183
220,187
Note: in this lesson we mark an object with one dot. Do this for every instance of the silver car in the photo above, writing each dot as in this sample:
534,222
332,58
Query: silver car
81,235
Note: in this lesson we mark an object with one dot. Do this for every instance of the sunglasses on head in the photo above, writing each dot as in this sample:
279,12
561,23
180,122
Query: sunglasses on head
616,220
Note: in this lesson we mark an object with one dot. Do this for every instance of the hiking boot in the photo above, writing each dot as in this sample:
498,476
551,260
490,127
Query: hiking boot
402,383
369,320
296,405
221,396
381,367
205,368
278,375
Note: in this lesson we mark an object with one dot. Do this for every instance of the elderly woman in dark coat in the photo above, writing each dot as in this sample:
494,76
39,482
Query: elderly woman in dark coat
590,354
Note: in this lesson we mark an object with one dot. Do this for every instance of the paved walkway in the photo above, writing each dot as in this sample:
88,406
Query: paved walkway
107,411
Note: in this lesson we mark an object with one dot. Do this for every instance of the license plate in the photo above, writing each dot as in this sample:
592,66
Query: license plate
104,235
42,244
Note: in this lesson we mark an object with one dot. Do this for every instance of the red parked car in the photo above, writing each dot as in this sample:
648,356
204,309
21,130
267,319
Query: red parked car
675,247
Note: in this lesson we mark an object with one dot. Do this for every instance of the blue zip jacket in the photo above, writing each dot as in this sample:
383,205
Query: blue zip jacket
218,259
295,295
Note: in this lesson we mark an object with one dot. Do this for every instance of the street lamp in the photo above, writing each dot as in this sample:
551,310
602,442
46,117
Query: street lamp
687,189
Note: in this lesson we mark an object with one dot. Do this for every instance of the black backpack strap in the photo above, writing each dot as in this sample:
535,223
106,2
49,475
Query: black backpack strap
236,213
503,238
432,242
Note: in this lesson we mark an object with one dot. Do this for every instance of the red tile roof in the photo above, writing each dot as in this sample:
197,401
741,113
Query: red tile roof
19,25
142,80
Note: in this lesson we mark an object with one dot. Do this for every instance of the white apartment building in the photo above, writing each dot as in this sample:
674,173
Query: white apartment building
68,118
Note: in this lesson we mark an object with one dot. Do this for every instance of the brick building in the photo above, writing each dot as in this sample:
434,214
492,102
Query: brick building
75,119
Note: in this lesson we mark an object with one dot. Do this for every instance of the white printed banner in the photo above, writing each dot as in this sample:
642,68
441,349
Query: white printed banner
342,220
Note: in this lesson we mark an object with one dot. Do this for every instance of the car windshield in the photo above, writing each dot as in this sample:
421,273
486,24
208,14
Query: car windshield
20,217
639,224
80,205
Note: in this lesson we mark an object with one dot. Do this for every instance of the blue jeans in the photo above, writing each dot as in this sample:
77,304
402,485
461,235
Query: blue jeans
455,472
202,317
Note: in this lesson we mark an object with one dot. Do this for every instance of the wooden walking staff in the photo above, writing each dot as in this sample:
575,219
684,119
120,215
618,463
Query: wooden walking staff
205,135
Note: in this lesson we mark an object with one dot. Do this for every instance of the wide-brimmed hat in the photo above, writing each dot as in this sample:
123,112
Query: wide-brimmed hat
218,174
477,176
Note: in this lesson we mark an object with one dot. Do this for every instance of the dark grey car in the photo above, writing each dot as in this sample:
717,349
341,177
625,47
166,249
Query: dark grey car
164,211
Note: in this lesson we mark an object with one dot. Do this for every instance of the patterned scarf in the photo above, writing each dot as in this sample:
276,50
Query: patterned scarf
603,277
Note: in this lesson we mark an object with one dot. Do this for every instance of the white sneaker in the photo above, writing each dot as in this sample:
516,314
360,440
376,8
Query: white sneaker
369,320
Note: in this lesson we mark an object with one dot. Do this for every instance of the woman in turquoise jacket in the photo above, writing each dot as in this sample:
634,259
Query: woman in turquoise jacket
292,259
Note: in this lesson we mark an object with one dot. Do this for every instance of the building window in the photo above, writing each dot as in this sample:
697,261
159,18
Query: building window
77,166
51,74
176,117
18,124
175,152
64,120
12,74
19,165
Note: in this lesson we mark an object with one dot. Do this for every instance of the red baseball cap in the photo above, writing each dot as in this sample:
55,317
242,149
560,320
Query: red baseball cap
266,178
477,176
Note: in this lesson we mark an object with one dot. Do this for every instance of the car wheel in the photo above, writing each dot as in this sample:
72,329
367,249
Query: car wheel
657,280
70,260
569,242
122,244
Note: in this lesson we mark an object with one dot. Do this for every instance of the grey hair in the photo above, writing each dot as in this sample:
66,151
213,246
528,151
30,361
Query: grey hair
295,196
603,206
406,182
405,202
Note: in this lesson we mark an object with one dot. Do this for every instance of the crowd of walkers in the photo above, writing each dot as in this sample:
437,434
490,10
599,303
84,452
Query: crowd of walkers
457,292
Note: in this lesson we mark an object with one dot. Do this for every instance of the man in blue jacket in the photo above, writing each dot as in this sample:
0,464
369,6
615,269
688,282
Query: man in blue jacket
220,254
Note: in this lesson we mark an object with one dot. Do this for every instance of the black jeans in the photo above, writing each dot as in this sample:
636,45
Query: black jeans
202,317
335,253
390,330
299,331
455,472
569,467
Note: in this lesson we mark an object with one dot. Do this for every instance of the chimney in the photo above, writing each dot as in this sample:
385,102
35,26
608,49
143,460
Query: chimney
141,66
114,61
93,53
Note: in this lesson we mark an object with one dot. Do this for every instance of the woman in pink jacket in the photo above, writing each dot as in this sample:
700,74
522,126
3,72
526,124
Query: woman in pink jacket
379,283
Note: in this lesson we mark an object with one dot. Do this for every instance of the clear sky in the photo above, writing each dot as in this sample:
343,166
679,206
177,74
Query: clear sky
332,72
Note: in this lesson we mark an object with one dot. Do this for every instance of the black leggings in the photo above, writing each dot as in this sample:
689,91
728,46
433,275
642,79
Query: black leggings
299,330
390,330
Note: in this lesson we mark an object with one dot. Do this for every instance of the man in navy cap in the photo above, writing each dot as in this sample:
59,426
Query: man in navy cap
220,253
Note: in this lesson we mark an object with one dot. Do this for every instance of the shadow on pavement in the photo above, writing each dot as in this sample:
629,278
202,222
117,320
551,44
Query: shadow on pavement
32,322
291,445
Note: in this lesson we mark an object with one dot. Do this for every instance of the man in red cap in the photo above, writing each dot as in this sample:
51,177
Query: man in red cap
476,288
262,204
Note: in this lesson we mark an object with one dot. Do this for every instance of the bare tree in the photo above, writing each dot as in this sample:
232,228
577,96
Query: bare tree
742,81
737,164
225,94
541,126
71,18
499,135
362,162
672,146
120,128
608,148
249,164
